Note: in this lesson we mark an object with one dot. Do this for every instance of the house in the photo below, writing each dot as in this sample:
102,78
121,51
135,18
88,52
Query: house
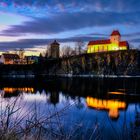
112,44
31,59
7,58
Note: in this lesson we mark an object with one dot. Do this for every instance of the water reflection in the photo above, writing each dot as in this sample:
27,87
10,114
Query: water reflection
54,97
119,89
12,91
115,97
112,106
110,95
116,92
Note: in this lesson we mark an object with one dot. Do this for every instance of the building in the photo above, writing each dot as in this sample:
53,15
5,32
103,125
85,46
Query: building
7,58
31,59
112,44
54,50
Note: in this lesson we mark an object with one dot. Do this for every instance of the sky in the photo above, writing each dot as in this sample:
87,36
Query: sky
33,24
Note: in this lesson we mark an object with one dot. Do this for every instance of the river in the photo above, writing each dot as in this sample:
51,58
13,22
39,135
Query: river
96,108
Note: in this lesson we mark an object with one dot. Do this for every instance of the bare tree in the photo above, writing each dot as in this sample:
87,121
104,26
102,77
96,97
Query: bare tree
79,47
66,51
19,52
47,52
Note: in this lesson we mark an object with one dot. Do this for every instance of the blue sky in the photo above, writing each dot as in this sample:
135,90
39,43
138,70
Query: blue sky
35,23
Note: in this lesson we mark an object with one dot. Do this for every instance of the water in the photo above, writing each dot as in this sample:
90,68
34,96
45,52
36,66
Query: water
89,108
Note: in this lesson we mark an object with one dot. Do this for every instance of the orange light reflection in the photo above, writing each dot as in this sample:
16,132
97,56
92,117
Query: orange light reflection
113,106
25,89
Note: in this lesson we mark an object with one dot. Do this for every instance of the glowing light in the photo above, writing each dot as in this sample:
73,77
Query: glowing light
24,89
119,93
32,53
113,44
105,47
112,106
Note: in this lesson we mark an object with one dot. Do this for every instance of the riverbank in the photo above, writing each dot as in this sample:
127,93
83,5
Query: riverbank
105,64
69,76
99,76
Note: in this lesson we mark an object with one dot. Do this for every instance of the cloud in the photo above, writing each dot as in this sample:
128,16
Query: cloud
60,16
62,22
31,43
113,5
136,40
134,34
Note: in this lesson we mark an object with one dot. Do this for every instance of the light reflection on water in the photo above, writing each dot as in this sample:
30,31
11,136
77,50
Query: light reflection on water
97,101
112,106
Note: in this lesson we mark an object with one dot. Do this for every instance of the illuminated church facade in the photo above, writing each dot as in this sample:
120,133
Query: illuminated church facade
112,44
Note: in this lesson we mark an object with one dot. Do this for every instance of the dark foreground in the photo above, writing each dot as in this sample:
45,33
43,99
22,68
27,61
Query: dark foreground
117,63
74,108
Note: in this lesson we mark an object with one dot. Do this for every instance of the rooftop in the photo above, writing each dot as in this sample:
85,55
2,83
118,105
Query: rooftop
99,42
55,43
10,56
115,32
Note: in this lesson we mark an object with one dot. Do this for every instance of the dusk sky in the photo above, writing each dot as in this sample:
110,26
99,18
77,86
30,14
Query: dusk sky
32,24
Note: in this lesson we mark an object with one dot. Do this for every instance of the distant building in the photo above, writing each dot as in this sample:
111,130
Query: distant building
54,50
112,44
7,58
31,59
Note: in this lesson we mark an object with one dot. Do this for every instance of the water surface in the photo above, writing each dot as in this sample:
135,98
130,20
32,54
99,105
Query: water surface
95,108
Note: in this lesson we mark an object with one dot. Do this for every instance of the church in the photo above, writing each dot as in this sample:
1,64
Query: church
112,44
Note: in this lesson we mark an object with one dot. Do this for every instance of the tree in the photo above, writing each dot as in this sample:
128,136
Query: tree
46,53
79,47
66,51
20,52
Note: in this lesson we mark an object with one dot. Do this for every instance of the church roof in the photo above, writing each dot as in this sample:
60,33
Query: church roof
123,43
115,32
100,42
96,42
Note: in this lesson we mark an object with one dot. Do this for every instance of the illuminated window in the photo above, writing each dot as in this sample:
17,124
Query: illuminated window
96,48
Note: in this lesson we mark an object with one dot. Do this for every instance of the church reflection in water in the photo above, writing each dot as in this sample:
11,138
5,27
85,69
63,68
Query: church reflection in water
111,105
105,95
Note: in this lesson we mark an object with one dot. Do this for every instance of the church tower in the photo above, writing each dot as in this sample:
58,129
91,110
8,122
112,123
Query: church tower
115,37
54,49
